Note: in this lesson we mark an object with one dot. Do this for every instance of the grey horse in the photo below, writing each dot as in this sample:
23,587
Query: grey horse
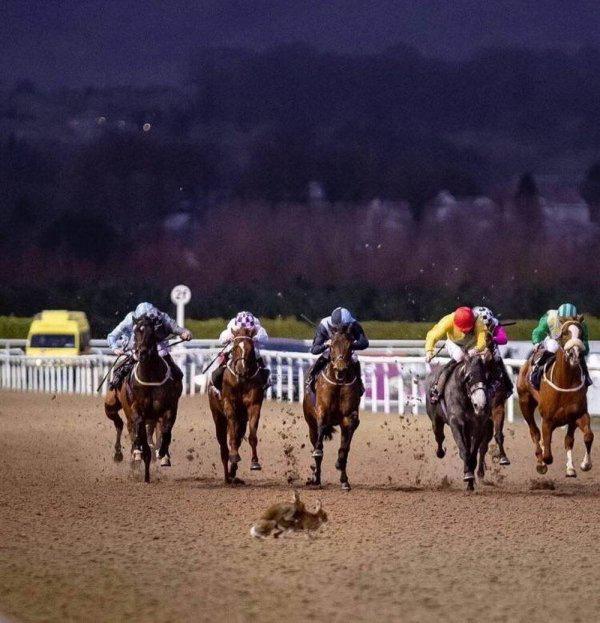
466,408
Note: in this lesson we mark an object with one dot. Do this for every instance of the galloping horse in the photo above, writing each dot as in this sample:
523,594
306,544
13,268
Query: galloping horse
148,396
238,404
465,407
335,402
562,399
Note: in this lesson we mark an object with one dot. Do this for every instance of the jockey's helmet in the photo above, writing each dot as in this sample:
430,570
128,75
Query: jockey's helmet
464,319
341,317
145,309
245,320
567,310
486,316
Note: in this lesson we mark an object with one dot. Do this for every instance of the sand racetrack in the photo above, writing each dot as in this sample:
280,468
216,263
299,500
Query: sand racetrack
82,539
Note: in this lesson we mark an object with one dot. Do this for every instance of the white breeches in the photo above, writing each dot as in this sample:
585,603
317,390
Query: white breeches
455,351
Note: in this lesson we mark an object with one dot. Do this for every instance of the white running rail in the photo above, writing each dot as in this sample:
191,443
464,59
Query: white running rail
393,384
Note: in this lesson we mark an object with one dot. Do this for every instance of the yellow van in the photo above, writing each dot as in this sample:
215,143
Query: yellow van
58,333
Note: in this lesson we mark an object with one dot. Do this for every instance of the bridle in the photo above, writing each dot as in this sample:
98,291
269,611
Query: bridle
231,363
165,378
338,383
471,389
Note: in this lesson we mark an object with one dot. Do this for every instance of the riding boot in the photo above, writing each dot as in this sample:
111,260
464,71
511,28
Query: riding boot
358,373
437,389
120,373
586,372
538,368
314,372
506,380
176,372
217,377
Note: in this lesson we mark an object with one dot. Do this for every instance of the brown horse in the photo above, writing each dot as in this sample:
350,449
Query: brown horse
149,395
238,404
562,399
335,402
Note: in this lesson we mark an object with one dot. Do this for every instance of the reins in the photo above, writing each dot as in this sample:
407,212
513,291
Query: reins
233,360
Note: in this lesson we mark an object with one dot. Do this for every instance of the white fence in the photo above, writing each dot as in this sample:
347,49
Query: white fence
393,384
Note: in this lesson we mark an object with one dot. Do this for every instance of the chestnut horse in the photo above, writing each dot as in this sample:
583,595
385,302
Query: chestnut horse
149,395
238,404
561,399
335,402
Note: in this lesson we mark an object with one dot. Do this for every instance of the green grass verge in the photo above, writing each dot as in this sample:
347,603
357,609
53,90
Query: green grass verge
13,327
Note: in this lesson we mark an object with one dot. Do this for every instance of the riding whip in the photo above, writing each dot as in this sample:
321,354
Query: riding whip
109,371
215,358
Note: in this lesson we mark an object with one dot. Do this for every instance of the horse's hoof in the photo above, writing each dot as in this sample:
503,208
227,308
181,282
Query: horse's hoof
470,486
237,481
469,477
316,453
165,461
311,482
440,453
585,467
136,455
255,466
541,468
345,486
504,460
548,460
571,473
118,457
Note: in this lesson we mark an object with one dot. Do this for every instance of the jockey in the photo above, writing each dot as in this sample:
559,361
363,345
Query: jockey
340,318
498,338
545,339
463,331
243,320
121,340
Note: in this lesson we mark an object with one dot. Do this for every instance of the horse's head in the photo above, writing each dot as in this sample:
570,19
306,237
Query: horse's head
341,353
571,339
243,355
146,338
474,375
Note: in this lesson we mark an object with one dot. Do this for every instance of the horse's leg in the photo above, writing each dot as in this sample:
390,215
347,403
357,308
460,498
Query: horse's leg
569,441
233,435
547,430
321,416
588,438
166,428
313,434
141,443
528,404
498,416
240,431
221,429
253,420
111,408
348,425
150,430
488,433
458,432
438,431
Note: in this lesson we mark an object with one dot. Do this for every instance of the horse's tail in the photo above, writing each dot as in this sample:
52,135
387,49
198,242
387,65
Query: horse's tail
328,431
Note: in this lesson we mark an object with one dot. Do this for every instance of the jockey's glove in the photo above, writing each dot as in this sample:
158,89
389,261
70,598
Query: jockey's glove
428,356
186,335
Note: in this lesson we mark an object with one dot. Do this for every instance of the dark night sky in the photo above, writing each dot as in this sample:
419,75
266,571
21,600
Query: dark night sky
56,42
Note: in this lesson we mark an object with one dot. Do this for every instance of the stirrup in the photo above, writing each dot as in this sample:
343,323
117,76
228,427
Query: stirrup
434,395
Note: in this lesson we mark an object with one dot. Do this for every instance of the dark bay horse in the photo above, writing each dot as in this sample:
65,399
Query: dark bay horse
465,408
149,395
239,403
335,403
562,399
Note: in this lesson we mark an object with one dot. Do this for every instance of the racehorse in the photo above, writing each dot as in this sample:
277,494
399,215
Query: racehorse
149,395
561,399
465,408
238,405
335,402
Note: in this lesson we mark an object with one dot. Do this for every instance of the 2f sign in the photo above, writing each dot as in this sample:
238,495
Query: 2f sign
181,295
